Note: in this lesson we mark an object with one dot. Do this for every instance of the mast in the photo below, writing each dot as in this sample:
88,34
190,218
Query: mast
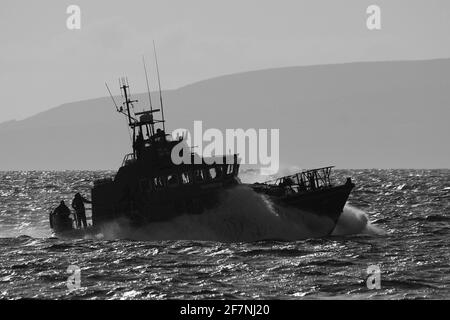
128,102
160,93
120,110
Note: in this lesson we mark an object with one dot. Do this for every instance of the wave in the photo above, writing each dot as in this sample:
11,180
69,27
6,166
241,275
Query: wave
355,221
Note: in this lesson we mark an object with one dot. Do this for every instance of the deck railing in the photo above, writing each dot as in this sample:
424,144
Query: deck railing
305,180
128,158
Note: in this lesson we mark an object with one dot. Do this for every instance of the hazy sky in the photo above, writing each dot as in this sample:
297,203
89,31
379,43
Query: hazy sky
43,64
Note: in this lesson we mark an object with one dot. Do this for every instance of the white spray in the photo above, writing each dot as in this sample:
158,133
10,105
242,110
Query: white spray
244,215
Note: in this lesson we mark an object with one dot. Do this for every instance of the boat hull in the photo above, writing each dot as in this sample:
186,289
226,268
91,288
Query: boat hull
325,202
74,233
139,207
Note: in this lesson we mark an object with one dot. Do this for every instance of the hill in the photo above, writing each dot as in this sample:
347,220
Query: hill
357,115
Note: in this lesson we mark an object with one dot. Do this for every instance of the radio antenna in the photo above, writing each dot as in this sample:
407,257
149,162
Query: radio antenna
112,98
148,87
149,94
159,84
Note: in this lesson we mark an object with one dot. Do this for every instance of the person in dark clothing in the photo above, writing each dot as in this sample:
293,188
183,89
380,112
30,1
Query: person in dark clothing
78,204
62,210
60,217
139,144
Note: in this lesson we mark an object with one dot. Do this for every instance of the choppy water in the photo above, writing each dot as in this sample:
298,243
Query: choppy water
229,254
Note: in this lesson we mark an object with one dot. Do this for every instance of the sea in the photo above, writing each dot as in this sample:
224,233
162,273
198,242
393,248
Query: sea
391,242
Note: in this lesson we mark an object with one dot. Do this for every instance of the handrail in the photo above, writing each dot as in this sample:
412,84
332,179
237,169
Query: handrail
128,157
305,180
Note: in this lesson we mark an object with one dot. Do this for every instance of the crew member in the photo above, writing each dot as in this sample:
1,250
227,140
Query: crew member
139,144
80,212
62,210
61,214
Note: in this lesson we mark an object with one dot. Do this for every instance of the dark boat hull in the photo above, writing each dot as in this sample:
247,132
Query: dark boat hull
73,233
145,206
325,202
152,207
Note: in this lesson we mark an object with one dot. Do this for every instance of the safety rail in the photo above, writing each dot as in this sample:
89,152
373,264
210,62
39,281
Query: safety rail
305,180
129,158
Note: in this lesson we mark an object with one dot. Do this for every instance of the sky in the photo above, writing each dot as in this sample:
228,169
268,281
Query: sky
43,64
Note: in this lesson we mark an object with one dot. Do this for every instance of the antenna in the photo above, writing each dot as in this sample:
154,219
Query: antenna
148,87
110,94
148,90
159,84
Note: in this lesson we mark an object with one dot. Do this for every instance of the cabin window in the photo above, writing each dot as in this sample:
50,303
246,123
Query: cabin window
158,182
185,178
212,173
172,180
199,176
219,171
